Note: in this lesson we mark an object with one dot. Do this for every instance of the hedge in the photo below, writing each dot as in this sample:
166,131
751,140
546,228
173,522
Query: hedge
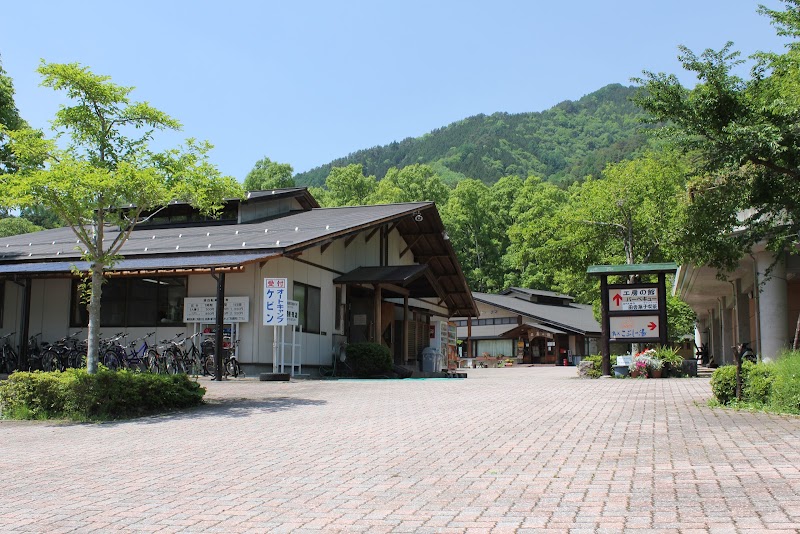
77,395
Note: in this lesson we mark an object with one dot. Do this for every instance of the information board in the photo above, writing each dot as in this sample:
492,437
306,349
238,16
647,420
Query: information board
204,310
637,327
275,298
292,312
636,299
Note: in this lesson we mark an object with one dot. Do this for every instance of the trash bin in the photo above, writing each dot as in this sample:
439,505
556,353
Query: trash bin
431,360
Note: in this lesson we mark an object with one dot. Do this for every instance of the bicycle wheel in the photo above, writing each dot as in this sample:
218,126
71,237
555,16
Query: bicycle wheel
111,360
153,361
74,359
170,362
232,367
6,362
209,367
50,361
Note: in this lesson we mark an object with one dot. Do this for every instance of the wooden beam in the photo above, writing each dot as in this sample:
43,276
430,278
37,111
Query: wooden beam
372,233
317,265
397,289
324,247
349,240
414,242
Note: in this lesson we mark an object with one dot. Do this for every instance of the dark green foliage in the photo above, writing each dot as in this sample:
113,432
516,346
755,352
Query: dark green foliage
723,383
758,387
785,395
77,395
369,359
563,144
597,365
756,383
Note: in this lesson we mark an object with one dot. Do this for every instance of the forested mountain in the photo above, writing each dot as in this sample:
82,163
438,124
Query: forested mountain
563,144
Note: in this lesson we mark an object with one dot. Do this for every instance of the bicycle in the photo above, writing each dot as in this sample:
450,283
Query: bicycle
230,364
35,352
8,358
163,357
63,354
116,356
189,361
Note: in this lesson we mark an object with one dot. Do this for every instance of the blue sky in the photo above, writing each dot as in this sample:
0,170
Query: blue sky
304,82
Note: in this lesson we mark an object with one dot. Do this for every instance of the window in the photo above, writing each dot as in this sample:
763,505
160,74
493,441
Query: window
128,302
310,301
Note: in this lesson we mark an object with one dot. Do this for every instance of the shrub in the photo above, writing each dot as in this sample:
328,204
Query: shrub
597,366
77,395
723,383
757,380
758,386
369,359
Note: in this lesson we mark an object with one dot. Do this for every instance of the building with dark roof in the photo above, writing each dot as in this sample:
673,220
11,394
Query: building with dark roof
381,273
530,326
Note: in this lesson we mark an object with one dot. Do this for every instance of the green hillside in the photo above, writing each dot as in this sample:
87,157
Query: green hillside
563,144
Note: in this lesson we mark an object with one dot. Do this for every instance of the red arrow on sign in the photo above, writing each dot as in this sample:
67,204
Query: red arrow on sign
652,325
617,299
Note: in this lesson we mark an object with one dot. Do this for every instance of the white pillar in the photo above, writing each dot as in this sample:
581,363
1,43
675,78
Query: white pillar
726,314
773,306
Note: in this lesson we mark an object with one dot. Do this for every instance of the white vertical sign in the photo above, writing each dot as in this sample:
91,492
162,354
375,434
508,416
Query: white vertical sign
275,298
293,312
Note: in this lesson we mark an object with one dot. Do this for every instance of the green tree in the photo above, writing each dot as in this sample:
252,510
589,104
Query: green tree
41,216
535,211
414,183
17,225
467,218
744,138
268,174
347,186
106,166
632,215
9,120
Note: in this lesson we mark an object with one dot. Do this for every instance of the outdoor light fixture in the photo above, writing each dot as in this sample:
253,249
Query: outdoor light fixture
418,217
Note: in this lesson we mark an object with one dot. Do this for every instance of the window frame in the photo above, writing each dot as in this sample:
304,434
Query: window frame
79,315
303,320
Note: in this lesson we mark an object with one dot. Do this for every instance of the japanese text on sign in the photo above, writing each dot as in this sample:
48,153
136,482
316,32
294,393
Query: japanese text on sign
640,327
645,298
293,312
204,310
275,297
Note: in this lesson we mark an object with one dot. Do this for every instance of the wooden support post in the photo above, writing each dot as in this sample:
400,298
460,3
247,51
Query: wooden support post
405,329
22,362
605,345
220,322
469,336
377,313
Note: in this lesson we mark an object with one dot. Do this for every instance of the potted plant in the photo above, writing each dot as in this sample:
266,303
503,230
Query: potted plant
646,364
672,360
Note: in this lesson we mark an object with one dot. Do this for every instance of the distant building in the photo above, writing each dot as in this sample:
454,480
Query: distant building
530,326
379,273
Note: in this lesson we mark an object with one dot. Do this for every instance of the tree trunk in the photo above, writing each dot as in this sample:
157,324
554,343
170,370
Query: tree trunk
92,356
796,334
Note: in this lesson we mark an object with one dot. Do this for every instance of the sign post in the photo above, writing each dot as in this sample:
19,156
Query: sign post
274,311
632,313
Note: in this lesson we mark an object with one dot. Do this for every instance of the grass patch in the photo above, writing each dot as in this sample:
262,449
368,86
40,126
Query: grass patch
107,395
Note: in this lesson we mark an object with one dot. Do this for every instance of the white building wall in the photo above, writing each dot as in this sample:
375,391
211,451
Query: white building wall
50,299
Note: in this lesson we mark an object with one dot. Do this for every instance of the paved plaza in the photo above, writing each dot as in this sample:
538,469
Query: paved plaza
505,450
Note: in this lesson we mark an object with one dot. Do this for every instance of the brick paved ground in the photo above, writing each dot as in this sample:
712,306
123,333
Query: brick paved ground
506,450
